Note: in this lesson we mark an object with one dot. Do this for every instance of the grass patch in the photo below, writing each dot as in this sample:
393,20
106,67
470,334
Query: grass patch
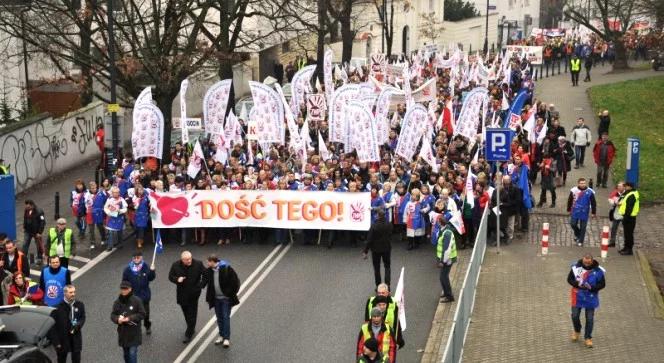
636,108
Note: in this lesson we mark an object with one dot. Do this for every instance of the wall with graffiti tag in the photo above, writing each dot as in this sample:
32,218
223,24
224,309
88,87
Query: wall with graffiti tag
51,146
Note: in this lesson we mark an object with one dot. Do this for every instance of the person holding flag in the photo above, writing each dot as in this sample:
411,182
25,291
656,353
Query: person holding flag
519,174
139,276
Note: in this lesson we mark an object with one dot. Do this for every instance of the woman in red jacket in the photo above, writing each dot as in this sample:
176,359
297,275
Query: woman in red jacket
22,291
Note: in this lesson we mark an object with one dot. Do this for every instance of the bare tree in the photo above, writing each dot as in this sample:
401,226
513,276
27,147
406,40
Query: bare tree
607,11
387,22
430,26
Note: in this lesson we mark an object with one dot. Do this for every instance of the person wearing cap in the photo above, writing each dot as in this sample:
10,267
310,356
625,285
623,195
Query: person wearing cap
446,255
53,280
61,242
66,336
139,275
127,313
223,286
370,353
383,334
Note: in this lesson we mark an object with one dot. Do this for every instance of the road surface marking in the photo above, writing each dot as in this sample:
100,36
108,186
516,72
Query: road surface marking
81,259
212,322
100,257
213,334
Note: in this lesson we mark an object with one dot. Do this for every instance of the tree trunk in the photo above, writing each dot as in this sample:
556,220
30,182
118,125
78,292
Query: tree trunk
347,40
389,31
86,71
320,44
165,104
620,61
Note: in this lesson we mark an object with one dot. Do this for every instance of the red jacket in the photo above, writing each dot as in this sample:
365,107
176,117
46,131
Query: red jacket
36,294
611,152
379,338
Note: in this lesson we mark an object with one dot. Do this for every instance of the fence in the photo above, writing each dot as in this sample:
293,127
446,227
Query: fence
466,301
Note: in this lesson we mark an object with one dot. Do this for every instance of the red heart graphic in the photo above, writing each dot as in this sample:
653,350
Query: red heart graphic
171,209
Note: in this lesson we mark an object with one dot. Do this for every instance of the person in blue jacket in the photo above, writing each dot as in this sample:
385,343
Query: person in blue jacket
97,198
377,203
580,203
141,204
139,275
587,278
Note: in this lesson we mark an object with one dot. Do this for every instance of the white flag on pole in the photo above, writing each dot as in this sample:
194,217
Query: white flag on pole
196,161
183,111
401,301
322,148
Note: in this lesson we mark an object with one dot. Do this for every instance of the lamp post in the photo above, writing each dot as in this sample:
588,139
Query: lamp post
383,25
486,29
112,73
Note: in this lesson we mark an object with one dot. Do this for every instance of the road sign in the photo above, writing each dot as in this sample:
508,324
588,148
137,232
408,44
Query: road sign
632,162
498,144
113,107
193,123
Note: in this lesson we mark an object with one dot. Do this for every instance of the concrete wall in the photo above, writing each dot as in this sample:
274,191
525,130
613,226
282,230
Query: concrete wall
50,146
469,32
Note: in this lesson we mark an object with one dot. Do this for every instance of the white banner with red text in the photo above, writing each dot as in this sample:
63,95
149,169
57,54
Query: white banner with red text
271,209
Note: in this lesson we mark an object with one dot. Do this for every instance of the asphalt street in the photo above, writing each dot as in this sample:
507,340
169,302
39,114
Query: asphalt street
306,305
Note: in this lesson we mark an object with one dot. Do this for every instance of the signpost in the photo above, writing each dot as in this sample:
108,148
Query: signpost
498,149
632,162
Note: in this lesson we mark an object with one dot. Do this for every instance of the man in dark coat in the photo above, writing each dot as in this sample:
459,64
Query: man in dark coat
378,241
139,276
127,314
223,286
33,228
187,275
69,316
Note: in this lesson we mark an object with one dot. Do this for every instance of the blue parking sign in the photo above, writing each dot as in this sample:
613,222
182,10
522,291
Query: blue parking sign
498,144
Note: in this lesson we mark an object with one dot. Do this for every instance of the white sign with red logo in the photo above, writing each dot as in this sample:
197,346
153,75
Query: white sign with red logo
268,113
316,107
148,131
337,119
271,209
214,106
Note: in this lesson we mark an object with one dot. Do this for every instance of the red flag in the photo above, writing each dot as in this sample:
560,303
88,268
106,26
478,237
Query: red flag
448,117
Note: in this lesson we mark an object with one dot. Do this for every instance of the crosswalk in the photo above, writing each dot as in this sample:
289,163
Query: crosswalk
75,263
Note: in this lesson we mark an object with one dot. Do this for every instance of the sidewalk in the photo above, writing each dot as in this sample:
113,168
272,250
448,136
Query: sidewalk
572,103
522,310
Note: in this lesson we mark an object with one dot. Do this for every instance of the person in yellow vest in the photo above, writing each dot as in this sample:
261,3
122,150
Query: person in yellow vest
371,354
61,242
446,255
390,317
382,290
4,169
22,291
629,209
575,69
383,334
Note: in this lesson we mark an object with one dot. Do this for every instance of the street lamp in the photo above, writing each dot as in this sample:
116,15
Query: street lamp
112,73
486,30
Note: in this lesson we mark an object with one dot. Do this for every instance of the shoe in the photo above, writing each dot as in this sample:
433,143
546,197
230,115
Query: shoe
220,242
540,204
612,244
575,336
446,299
109,249
183,243
186,339
227,343
603,185
92,246
103,243
148,331
589,343
626,252
576,166
553,205
579,244
218,341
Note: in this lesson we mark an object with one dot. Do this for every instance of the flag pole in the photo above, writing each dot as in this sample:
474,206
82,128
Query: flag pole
154,252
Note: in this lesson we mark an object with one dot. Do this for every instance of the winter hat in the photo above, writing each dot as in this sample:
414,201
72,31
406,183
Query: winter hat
371,344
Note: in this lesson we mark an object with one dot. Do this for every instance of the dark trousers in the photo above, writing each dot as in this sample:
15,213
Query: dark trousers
146,322
602,175
375,258
575,77
62,356
587,79
590,320
190,311
629,223
580,154
552,189
615,224
445,280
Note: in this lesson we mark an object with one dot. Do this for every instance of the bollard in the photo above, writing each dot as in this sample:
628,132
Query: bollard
56,215
605,242
545,239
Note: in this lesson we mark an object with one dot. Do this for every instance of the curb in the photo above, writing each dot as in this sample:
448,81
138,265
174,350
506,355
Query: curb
655,295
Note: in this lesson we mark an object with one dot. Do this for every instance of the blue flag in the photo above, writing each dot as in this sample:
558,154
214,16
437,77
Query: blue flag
159,246
515,108
525,187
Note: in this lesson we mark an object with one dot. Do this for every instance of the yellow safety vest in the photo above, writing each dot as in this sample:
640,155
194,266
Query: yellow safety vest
575,65
385,348
53,238
389,315
623,204
4,170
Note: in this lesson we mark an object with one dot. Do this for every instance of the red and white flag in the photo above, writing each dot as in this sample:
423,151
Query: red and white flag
400,298
448,118
427,154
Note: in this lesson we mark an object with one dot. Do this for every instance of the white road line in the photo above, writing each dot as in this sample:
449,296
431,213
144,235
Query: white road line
72,268
81,259
213,334
212,322
100,257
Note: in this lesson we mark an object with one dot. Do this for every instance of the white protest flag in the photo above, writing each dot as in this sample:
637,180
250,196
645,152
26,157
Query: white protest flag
327,74
470,197
530,121
147,135
250,153
267,113
508,75
406,86
196,161
399,296
304,135
457,222
469,117
322,148
300,85
542,133
215,104
244,113
337,118
477,155
427,154
362,134
413,127
505,105
295,140
233,130
183,111
382,122
222,149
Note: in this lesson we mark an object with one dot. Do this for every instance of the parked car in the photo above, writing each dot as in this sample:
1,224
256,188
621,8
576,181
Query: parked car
24,333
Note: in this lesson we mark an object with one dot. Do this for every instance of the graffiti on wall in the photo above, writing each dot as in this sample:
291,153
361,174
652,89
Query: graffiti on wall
47,147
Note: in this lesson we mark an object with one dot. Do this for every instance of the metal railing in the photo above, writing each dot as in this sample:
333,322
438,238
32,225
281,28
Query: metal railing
466,301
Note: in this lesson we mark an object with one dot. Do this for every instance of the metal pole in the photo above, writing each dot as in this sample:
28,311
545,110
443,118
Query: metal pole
112,73
486,29
498,182
383,30
28,103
